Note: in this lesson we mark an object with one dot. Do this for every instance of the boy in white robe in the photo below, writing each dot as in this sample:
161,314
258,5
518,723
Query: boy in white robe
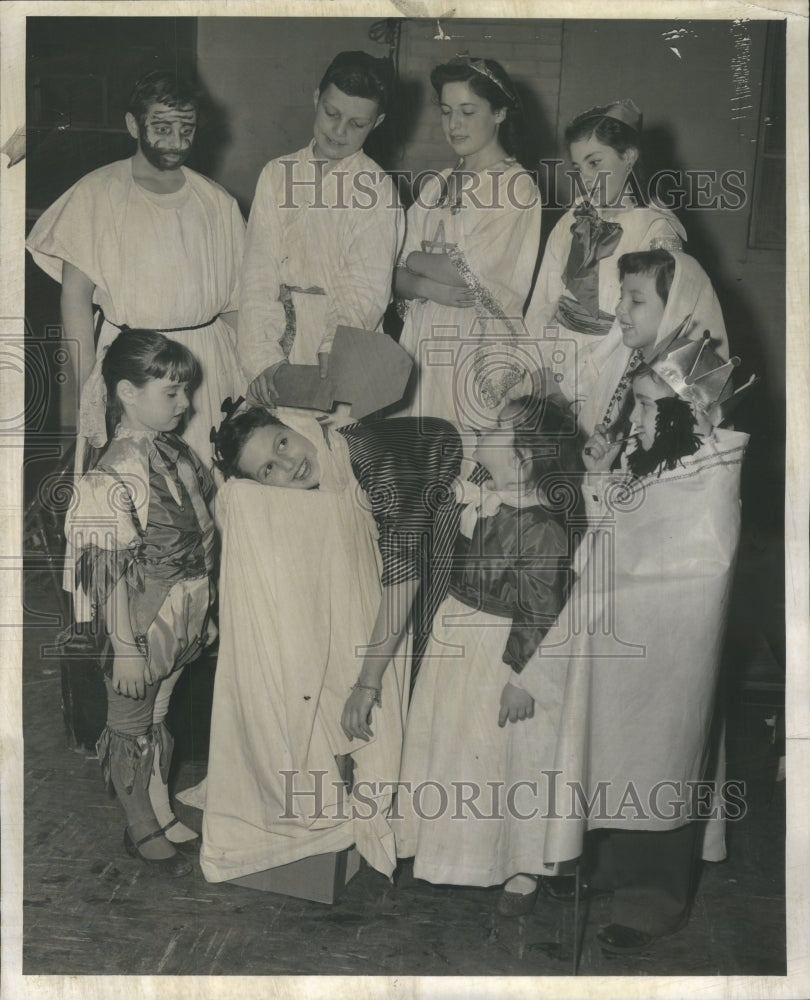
324,233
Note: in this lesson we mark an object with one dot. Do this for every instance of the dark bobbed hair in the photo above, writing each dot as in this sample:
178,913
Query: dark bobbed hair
512,130
360,75
232,436
140,356
546,438
659,264
610,132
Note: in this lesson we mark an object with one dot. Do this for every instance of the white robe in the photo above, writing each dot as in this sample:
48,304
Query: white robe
631,672
568,354
334,238
692,307
467,360
158,261
300,591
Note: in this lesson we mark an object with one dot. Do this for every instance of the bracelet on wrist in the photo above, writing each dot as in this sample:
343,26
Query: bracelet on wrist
370,687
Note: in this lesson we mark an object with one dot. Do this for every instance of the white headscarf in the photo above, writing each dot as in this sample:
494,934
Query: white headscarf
692,304
332,450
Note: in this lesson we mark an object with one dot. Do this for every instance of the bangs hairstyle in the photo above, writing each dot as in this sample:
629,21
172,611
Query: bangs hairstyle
500,94
162,87
360,75
616,134
609,131
233,434
547,440
658,264
139,356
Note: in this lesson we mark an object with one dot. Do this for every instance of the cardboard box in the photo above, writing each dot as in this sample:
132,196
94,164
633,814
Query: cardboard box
320,878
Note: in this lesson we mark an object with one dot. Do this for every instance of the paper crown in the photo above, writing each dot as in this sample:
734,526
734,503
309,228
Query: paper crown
624,111
697,373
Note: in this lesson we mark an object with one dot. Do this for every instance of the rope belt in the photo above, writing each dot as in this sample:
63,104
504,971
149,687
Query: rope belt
101,318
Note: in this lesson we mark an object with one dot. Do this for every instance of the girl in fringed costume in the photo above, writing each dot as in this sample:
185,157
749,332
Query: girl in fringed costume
577,286
633,670
140,557
465,798
304,711
472,239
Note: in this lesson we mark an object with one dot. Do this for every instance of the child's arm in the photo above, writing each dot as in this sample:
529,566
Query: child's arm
395,606
410,285
516,703
600,452
437,266
76,305
542,574
130,671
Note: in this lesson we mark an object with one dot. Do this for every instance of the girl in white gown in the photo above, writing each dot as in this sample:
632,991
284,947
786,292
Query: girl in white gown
471,244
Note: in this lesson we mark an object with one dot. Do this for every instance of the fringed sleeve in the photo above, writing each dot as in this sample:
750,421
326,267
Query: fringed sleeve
102,543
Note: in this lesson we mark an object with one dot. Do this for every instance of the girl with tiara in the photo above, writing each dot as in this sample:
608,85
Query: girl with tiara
470,249
140,556
578,283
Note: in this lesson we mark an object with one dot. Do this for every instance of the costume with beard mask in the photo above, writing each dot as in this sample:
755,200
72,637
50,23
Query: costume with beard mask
629,673
674,438
161,159
165,262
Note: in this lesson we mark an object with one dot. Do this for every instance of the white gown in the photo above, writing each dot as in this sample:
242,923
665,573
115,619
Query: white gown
632,673
332,239
466,360
300,589
158,261
569,354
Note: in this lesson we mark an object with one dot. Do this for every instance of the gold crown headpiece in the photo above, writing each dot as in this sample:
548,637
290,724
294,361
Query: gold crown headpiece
624,111
697,373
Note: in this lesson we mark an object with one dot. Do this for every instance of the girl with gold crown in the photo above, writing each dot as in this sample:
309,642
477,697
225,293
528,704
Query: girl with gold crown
578,283
631,670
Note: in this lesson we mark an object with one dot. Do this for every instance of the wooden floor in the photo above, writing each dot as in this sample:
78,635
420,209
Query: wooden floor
90,909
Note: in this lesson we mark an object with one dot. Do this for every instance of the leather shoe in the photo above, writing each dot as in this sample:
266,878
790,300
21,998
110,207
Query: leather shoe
516,904
616,939
174,866
562,889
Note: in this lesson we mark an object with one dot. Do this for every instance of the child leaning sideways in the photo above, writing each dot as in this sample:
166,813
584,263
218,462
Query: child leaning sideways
140,556
343,544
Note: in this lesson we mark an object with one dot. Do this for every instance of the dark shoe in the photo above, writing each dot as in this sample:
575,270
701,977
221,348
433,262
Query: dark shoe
562,889
517,904
174,866
616,939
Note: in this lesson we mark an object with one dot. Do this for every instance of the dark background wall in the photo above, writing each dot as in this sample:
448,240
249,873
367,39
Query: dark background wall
702,111
700,84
